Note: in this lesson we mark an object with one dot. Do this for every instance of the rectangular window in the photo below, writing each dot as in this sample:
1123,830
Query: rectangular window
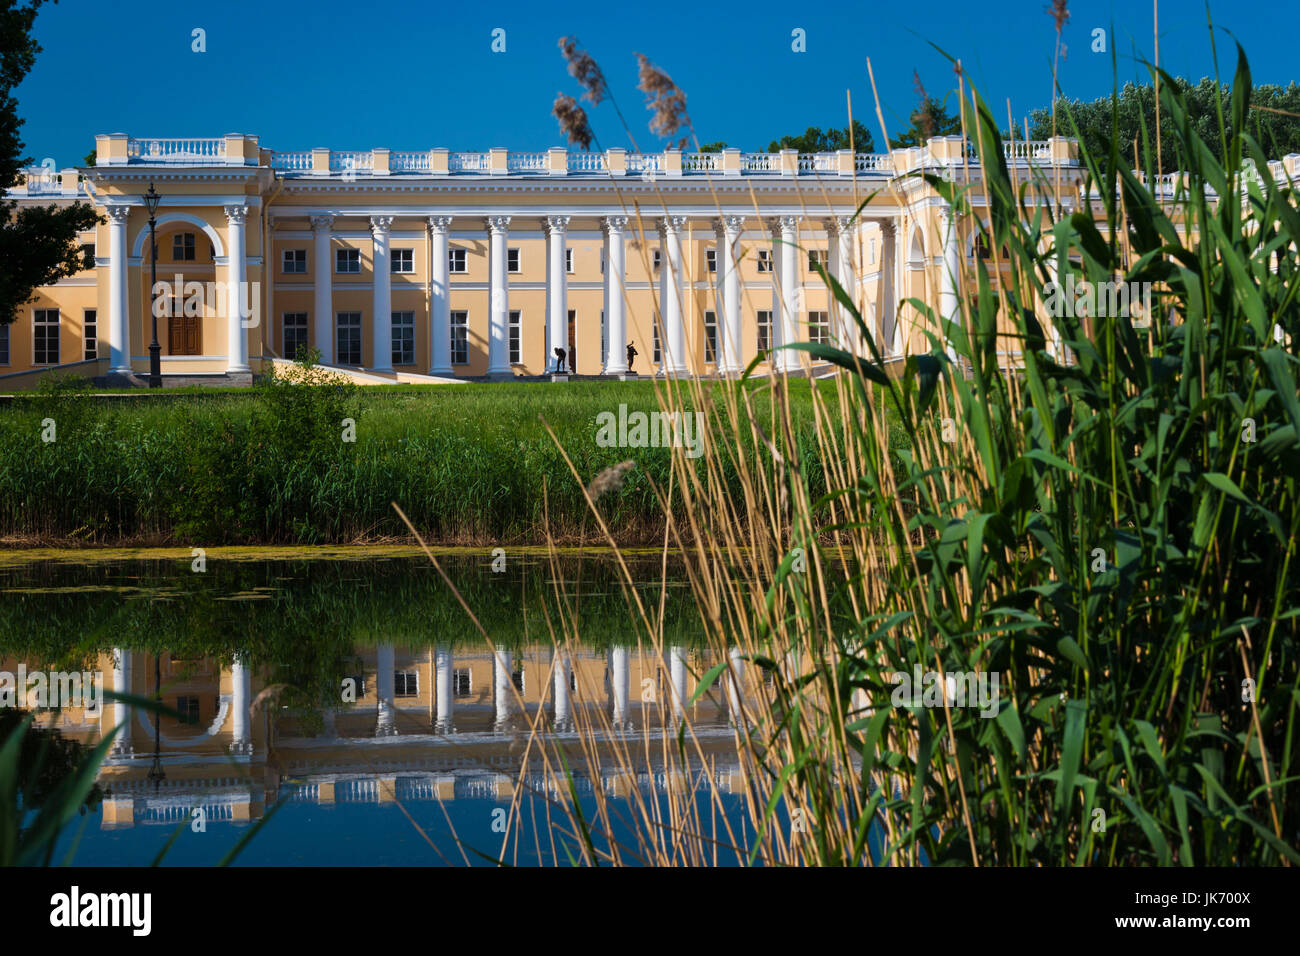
406,683
568,261
456,260
514,339
764,260
348,351
657,258
295,333
88,251
654,357
295,261
460,338
90,333
461,683
183,247
403,338
512,260
46,337
403,260
517,678
764,317
347,260
816,257
188,707
711,337
818,327
4,345
711,258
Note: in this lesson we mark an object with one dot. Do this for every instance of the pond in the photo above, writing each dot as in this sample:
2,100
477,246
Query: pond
346,698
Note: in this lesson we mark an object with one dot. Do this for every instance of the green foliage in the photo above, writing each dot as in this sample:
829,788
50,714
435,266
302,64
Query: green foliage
466,463
1273,120
1105,535
38,244
930,118
816,140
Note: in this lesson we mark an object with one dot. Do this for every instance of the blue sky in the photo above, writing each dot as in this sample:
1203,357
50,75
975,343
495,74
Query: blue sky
413,75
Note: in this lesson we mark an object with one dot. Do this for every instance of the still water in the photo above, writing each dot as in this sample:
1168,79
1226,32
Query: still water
346,702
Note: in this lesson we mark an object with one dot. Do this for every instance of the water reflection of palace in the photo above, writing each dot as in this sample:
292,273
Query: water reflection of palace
424,724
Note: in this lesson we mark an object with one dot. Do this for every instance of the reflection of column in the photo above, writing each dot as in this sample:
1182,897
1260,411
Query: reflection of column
615,310
381,312
323,278
673,354
119,310
677,675
501,686
236,274
442,681
386,723
731,355
619,678
241,700
121,710
440,295
327,718
563,668
499,297
735,685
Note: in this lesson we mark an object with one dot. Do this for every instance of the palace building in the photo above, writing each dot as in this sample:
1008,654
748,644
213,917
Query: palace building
437,265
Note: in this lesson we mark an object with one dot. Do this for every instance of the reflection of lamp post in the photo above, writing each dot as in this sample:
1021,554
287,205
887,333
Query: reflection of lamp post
156,775
151,200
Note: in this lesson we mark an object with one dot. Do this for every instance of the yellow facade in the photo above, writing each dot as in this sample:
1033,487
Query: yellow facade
231,208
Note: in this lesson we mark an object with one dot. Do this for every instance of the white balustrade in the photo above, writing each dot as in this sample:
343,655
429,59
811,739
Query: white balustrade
585,162
468,162
185,150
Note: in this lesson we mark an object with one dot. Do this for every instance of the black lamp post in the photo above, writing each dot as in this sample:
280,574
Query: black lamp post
151,199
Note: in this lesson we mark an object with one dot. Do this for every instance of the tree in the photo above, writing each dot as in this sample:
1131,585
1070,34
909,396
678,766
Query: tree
930,118
717,147
38,244
816,140
1277,133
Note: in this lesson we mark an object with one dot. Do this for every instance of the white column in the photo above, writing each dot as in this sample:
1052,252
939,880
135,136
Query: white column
950,280
670,295
501,689
382,308
616,311
563,667
121,684
241,700
789,361
840,265
440,300
442,683
323,271
677,677
119,322
386,724
619,669
499,298
236,283
886,330
557,290
730,351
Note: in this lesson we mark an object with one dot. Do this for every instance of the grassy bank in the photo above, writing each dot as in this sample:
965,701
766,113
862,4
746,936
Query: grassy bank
471,464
